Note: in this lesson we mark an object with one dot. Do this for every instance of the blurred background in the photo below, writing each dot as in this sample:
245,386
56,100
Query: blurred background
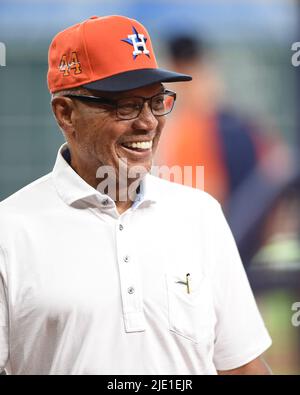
238,119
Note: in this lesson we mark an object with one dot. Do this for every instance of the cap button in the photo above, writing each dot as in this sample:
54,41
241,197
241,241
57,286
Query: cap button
93,17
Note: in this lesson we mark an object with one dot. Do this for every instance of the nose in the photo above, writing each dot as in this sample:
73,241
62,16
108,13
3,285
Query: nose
146,120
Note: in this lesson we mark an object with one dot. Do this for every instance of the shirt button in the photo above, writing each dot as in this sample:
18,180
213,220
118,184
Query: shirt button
105,202
126,258
130,290
121,227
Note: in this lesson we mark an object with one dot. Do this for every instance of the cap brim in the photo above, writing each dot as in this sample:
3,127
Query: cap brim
135,79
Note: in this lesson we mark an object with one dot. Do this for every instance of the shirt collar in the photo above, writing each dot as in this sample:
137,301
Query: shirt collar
72,188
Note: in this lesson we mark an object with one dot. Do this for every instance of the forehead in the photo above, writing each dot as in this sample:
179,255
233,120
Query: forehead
146,91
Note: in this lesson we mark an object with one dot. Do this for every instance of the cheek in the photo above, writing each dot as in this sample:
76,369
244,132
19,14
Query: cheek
105,140
86,130
96,133
159,129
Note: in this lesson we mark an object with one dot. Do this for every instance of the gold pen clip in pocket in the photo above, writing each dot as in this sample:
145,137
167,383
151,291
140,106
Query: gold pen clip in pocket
186,282
190,307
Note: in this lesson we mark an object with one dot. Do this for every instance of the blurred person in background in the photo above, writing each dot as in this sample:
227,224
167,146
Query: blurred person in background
202,130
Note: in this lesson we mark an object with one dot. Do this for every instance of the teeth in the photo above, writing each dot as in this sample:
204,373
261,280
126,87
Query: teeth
140,145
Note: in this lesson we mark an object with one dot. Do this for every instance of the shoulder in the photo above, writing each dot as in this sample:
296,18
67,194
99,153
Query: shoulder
25,202
26,195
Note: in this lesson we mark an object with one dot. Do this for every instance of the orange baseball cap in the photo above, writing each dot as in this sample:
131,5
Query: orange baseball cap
111,53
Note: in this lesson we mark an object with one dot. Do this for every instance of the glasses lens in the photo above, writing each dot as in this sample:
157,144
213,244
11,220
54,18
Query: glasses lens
162,104
129,108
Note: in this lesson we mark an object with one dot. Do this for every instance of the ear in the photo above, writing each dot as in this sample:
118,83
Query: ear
63,110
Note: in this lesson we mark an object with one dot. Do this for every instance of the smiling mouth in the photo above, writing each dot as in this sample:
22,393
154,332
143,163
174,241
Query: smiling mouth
138,146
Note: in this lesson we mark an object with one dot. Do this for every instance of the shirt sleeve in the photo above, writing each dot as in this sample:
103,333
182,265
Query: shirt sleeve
241,335
3,316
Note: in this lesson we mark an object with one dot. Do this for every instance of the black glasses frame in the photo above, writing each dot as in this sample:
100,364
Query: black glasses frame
115,102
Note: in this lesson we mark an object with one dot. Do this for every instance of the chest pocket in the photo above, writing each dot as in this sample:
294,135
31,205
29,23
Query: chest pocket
190,314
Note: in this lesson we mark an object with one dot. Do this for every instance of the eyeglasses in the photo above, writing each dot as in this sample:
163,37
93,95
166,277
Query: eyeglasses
131,107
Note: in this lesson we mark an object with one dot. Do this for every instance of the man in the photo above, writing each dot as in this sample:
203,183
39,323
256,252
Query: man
104,268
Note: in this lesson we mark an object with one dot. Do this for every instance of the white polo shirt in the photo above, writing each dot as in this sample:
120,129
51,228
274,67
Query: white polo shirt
84,290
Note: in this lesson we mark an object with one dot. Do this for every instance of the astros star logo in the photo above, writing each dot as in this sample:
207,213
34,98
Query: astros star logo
138,41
